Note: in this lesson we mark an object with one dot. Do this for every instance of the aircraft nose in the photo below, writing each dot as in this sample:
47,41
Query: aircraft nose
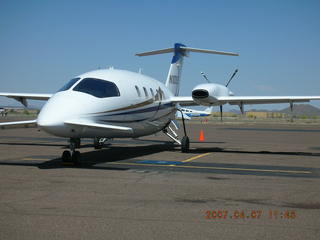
53,114
49,120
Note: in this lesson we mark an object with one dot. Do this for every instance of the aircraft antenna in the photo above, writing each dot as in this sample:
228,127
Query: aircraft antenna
235,72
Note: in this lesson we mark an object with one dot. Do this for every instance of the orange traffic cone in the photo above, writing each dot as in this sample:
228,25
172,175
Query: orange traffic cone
201,137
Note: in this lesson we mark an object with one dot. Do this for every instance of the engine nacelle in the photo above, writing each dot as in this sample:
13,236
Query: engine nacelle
207,93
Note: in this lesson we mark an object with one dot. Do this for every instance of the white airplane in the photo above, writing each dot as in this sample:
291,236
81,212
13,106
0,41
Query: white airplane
189,113
112,103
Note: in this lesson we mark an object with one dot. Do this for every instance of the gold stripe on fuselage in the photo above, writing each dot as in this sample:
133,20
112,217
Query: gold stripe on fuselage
142,104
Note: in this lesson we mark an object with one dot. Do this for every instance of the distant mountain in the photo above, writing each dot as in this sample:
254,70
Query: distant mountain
302,109
260,110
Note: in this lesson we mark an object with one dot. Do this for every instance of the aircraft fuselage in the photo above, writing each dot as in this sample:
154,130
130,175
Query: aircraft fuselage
142,103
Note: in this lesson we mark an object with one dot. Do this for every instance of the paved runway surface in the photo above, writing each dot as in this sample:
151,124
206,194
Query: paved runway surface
250,181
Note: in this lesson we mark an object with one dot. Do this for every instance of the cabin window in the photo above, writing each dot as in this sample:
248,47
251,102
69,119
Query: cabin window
152,93
97,88
138,91
145,92
69,84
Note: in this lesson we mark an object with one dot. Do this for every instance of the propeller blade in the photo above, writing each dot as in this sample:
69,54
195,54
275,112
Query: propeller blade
235,72
205,77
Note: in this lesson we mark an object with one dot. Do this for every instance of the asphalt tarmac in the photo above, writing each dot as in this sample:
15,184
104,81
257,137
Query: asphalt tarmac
252,181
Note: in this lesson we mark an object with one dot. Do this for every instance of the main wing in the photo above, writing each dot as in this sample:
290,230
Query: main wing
243,100
183,101
19,124
22,97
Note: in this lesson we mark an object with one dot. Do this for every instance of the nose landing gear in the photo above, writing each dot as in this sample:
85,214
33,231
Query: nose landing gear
73,156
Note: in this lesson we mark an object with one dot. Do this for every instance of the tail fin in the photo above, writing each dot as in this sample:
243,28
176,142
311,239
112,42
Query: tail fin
174,74
180,51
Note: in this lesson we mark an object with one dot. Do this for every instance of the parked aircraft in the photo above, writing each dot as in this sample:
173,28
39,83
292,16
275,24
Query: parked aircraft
112,103
189,113
3,112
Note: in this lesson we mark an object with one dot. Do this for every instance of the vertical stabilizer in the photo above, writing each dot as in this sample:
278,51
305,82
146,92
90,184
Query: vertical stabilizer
174,75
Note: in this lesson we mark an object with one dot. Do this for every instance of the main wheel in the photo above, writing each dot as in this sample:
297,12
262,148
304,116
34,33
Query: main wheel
66,156
185,143
75,157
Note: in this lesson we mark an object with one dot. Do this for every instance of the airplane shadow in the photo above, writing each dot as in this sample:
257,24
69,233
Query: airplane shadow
95,159
91,160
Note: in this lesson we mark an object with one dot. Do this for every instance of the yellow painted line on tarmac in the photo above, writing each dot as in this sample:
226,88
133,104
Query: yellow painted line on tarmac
219,168
196,157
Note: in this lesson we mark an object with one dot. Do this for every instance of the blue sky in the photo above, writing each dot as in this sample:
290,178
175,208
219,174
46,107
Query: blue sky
45,43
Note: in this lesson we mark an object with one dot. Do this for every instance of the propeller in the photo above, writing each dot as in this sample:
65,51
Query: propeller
205,77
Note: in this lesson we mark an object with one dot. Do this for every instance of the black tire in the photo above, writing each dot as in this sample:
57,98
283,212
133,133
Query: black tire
76,157
66,156
185,143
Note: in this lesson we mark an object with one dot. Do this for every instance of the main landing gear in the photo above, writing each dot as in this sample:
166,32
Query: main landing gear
72,156
185,142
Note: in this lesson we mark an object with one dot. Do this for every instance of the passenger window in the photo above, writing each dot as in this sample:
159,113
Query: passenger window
152,93
138,91
145,92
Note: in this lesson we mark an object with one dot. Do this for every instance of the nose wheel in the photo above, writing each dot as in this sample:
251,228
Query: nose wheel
72,156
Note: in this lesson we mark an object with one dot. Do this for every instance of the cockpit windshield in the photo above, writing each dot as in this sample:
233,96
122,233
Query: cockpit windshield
69,84
97,87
